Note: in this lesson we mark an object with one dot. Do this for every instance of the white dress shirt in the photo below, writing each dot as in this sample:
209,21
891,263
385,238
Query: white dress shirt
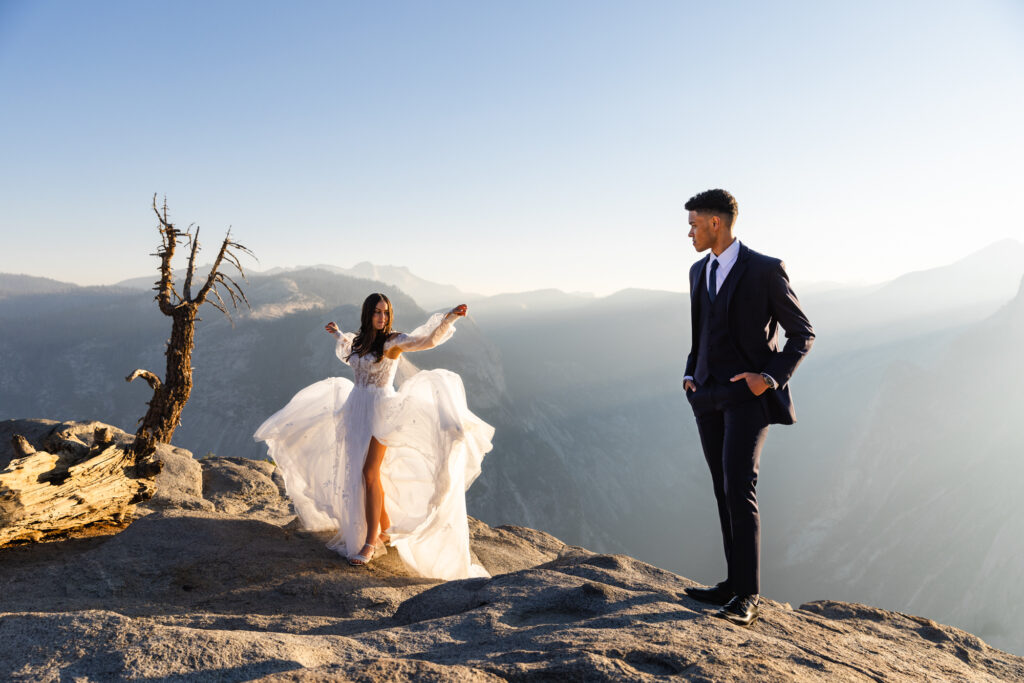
726,260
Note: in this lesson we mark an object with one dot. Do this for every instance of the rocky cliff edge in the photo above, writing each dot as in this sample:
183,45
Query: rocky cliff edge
215,581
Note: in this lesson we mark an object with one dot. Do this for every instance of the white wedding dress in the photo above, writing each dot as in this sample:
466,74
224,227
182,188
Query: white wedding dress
435,446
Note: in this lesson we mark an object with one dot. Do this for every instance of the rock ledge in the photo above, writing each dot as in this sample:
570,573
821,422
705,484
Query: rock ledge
214,582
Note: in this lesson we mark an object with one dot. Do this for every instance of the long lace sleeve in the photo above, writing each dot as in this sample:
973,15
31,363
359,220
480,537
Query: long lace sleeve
437,330
344,345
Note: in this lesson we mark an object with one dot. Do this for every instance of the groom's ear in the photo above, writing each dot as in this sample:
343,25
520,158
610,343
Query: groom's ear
719,222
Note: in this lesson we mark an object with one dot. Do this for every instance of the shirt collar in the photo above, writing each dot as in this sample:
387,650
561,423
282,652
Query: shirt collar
729,256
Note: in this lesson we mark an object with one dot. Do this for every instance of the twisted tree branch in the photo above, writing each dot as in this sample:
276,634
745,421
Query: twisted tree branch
191,263
169,240
152,380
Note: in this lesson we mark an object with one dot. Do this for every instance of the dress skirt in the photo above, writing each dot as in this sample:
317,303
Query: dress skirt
435,447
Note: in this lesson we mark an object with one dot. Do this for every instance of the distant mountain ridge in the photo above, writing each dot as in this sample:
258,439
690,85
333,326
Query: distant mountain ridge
959,294
991,274
429,295
12,284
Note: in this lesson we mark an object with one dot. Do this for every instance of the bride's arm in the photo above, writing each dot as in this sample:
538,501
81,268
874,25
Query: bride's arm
434,332
344,346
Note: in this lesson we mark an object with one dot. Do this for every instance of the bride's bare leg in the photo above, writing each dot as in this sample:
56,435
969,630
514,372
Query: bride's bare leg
376,516
385,522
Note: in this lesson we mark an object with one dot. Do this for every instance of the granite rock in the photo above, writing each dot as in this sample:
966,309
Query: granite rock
215,581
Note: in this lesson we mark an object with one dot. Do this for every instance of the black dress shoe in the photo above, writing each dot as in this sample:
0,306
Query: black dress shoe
716,595
741,610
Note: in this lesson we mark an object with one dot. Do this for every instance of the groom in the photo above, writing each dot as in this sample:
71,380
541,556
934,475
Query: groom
737,382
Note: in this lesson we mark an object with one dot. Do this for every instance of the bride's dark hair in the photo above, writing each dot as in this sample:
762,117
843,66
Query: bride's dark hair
368,340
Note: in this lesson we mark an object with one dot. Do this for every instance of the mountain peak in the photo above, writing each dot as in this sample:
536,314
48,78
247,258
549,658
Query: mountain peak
373,267
1002,251
989,274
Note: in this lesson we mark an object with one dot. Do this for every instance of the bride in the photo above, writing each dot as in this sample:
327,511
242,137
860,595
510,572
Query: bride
379,465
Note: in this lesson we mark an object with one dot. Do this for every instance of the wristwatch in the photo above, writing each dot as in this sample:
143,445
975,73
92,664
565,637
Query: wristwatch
772,384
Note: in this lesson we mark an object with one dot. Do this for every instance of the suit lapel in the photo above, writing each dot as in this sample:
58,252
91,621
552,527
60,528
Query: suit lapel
694,293
738,269
696,276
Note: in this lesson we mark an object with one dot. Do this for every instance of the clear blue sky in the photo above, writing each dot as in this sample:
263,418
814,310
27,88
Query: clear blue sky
510,145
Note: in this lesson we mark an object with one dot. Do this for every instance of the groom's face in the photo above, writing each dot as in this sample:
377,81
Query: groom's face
702,230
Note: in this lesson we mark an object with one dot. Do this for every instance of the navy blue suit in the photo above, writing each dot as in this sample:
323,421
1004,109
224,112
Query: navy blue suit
738,332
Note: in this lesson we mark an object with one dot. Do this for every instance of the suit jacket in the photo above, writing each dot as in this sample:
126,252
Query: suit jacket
758,302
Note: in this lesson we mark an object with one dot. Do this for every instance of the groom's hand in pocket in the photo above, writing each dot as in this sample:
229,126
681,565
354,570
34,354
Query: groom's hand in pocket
688,385
755,382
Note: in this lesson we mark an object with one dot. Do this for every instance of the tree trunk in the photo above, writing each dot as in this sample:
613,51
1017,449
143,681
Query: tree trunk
169,399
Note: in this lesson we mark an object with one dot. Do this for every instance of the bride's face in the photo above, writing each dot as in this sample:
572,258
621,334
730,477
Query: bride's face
380,316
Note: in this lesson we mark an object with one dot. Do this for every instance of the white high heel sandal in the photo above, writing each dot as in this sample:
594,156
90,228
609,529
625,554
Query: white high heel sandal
362,559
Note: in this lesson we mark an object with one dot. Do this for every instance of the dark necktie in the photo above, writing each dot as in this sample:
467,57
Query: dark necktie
713,281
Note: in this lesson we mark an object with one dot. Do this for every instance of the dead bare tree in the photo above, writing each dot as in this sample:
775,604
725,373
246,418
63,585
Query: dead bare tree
170,395
71,483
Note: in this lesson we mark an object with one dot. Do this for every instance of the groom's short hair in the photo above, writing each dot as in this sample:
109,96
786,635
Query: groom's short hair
714,201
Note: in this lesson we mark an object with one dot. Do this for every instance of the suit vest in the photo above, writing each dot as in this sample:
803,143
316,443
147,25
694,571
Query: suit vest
717,356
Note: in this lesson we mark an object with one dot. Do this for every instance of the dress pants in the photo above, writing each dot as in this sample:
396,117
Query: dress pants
733,424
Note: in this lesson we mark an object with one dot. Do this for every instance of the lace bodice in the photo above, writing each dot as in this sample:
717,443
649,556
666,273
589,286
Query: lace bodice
373,373
369,372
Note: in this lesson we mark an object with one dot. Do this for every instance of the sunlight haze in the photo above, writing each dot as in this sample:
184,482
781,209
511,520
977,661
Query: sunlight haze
510,147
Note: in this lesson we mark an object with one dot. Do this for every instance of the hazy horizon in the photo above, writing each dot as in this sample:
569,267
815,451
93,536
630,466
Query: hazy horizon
801,285
210,243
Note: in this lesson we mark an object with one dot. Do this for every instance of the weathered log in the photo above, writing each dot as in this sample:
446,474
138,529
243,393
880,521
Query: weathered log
44,494
67,442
